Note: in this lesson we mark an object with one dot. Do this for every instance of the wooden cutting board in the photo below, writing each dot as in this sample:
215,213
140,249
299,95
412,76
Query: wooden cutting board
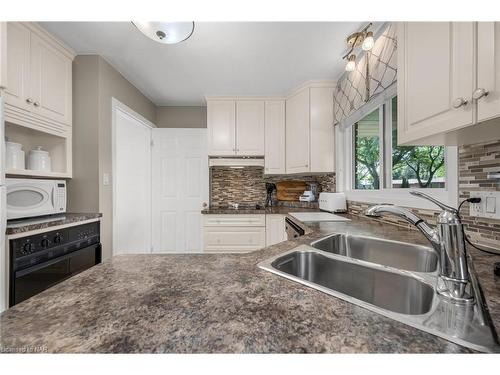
290,190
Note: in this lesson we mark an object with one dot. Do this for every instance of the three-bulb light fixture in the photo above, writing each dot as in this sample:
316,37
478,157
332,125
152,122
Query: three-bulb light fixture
363,38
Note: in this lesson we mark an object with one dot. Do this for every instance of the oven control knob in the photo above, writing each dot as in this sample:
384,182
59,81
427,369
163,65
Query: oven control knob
58,239
44,243
27,248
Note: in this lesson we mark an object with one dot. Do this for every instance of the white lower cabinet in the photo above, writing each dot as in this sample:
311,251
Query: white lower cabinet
234,233
275,229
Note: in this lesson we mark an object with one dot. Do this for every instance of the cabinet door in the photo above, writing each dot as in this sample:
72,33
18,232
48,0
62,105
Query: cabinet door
3,55
274,158
297,133
488,70
435,78
275,229
221,122
250,127
322,131
18,55
50,77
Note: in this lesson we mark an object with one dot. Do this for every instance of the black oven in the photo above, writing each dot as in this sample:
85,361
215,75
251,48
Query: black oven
40,261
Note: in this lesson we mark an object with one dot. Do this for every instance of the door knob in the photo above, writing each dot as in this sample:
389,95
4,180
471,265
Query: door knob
29,100
479,93
459,102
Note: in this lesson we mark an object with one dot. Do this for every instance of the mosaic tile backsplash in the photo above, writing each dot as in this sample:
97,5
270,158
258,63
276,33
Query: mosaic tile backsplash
474,162
247,186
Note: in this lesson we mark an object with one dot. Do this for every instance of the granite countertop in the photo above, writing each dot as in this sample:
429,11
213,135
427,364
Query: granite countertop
30,224
206,303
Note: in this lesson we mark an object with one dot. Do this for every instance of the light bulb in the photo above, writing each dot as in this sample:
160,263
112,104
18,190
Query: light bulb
351,63
368,42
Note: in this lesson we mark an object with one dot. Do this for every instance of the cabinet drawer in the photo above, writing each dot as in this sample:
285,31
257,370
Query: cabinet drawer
235,220
234,239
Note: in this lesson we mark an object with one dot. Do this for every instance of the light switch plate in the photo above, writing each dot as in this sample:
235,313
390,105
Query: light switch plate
105,179
489,207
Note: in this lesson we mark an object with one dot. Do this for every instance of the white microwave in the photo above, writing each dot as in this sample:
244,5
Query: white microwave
30,197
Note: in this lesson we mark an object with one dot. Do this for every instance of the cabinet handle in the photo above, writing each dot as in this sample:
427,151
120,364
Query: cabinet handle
479,93
29,100
36,104
307,165
459,102
3,87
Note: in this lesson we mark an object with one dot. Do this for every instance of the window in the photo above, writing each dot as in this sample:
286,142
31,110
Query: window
410,166
372,167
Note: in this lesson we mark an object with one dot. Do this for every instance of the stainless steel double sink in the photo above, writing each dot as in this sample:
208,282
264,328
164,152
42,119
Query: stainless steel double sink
392,278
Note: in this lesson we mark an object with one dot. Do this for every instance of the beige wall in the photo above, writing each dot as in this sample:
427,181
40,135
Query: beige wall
95,83
181,117
113,84
83,188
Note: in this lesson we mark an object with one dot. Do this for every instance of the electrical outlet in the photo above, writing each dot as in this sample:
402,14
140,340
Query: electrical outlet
489,207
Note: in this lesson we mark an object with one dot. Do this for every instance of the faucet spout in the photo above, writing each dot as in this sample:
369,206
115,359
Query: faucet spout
427,230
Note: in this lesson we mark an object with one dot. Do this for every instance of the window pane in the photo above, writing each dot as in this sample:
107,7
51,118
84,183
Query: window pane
415,166
367,152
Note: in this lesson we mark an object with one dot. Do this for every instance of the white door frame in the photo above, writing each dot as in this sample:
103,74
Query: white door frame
116,105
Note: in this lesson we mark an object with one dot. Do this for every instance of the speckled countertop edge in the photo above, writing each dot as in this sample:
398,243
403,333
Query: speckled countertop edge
32,224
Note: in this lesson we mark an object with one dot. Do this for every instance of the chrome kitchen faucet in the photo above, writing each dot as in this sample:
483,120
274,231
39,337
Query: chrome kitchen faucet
448,240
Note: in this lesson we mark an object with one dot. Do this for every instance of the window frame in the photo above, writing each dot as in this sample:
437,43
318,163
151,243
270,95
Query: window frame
386,193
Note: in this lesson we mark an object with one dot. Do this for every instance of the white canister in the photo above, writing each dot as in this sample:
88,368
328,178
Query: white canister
39,160
14,156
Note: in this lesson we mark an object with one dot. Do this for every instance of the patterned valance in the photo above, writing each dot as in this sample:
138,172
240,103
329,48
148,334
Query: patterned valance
350,92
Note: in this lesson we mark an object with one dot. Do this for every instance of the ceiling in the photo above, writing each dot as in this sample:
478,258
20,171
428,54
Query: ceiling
220,58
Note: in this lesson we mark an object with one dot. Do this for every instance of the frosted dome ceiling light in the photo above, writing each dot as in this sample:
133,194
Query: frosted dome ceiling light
166,32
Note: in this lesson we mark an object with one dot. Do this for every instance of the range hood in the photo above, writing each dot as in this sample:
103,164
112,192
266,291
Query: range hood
236,162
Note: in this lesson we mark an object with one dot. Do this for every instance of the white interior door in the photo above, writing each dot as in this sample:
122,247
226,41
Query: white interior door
131,183
179,189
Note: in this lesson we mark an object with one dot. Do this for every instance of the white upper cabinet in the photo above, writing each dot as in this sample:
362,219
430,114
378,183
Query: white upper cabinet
51,86
295,135
250,127
297,132
487,90
17,92
322,132
221,124
435,78
38,79
310,142
235,127
3,56
274,137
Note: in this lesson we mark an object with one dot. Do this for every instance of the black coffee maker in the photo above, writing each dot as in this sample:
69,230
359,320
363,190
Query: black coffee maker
270,187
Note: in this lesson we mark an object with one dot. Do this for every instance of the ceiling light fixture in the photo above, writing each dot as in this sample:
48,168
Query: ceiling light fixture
166,32
363,38
368,42
351,63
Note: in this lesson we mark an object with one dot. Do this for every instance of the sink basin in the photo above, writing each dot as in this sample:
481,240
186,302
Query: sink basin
361,277
388,253
390,291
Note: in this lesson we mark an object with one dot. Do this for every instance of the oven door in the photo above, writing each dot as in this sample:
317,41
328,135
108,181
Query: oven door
28,198
27,282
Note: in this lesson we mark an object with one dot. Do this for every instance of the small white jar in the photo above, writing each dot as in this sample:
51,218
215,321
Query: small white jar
39,160
14,156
